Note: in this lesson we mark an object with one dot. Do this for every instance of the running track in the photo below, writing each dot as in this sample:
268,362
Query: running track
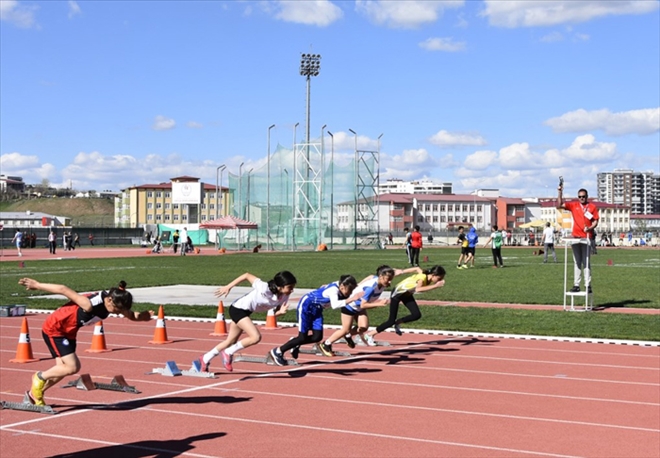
426,396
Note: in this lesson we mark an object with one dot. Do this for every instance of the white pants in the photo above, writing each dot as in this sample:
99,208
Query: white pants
581,259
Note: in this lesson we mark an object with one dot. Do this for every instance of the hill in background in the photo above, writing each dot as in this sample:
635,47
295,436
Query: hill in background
90,212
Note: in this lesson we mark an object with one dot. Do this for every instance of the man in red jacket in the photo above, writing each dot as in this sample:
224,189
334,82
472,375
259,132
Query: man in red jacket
585,220
415,246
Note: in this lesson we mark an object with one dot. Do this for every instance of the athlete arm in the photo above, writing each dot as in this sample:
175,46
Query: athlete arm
378,303
409,270
82,301
224,290
281,309
421,289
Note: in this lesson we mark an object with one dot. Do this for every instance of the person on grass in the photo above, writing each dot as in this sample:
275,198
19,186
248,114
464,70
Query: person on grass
61,328
264,296
310,316
372,287
422,281
462,241
495,240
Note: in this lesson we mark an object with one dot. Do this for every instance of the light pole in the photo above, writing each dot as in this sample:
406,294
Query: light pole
240,184
320,240
286,186
332,186
355,196
310,65
268,194
218,169
247,211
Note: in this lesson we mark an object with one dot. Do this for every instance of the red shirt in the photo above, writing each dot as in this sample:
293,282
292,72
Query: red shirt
416,239
583,216
66,320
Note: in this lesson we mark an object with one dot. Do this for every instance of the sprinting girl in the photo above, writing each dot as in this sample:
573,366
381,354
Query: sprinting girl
264,296
423,280
372,287
61,328
310,316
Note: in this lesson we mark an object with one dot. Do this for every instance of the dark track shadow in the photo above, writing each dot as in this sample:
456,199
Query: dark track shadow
143,449
319,370
462,341
621,304
132,405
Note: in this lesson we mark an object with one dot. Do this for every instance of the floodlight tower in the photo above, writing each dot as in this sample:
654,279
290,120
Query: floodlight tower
310,65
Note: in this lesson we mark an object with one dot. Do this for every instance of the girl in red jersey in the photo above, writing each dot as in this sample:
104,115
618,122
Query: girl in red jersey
61,327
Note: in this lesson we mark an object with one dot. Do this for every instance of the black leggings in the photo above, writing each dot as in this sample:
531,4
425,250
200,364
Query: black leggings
302,339
409,301
497,256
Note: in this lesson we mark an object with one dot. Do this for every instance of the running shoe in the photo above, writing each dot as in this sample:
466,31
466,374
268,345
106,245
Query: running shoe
34,401
226,361
295,351
37,390
589,291
397,329
575,289
326,350
278,358
370,340
204,366
349,341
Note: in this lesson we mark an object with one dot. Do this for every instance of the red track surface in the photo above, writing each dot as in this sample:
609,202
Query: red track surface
426,396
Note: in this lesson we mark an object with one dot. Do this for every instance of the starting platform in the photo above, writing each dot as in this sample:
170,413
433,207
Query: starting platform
316,351
27,406
238,358
172,370
118,383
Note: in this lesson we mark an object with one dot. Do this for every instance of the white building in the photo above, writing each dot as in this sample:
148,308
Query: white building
423,186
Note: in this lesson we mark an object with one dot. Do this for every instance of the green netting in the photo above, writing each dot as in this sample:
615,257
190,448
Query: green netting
200,237
295,206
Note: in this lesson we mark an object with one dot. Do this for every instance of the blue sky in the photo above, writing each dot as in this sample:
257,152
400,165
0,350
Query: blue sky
484,94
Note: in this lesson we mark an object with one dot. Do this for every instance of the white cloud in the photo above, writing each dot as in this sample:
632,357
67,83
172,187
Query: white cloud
163,123
27,167
481,160
320,13
20,15
527,13
445,139
552,37
74,9
442,44
194,125
405,14
641,122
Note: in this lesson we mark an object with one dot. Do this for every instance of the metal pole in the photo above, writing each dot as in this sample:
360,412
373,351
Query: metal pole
268,247
293,184
240,184
247,210
332,186
355,195
217,188
287,201
320,229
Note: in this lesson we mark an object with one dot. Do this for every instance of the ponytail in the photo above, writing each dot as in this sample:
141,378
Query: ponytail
120,297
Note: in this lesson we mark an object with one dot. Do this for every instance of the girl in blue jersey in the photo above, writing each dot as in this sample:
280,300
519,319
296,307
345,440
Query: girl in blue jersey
424,280
310,315
372,287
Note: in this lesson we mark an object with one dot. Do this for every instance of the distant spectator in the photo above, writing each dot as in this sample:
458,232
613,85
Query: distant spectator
256,248
90,237
76,240
18,239
52,242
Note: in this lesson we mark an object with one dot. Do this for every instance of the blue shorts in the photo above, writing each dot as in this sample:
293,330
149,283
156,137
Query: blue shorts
310,316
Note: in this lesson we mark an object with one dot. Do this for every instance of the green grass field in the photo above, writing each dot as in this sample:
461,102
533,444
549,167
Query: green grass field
632,280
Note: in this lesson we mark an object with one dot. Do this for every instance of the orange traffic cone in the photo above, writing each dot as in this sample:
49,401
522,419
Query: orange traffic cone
271,320
220,325
160,334
24,350
98,340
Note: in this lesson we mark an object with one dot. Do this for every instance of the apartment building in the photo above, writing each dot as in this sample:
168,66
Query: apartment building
159,203
638,190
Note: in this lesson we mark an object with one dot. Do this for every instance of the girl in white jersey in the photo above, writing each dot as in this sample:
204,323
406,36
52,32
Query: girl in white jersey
425,280
264,296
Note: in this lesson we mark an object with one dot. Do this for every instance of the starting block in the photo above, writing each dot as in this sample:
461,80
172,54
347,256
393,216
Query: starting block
262,359
118,383
317,352
172,370
27,406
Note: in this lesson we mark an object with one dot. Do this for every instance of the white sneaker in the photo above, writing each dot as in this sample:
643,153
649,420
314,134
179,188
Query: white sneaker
369,340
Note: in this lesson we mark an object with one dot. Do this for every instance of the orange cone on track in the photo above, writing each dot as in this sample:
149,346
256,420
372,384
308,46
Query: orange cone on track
160,334
220,324
271,320
98,340
24,350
